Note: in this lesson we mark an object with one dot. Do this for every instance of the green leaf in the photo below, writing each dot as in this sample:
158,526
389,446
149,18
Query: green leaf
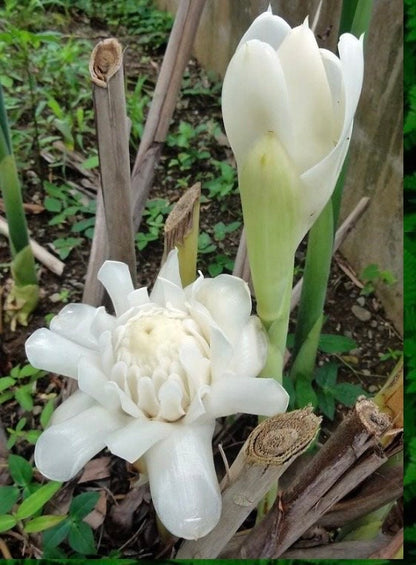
347,393
20,470
6,382
28,371
81,538
7,522
24,397
326,376
52,204
8,498
47,413
329,343
83,504
90,163
326,404
56,535
36,500
43,523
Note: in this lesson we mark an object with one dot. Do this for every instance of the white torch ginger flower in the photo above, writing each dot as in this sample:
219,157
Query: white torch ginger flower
152,379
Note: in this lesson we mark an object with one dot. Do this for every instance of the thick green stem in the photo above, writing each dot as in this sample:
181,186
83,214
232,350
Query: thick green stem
315,277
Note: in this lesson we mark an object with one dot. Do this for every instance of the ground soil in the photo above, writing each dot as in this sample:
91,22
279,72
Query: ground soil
129,524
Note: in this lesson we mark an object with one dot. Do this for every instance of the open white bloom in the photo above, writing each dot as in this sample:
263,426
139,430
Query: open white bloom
152,379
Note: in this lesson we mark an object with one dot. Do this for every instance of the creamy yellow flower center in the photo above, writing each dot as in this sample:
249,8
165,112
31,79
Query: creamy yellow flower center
158,376
145,340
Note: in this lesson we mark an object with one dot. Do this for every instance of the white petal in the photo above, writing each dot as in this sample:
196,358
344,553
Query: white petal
197,409
167,293
138,297
183,482
75,404
93,382
74,322
133,440
102,322
250,352
259,396
51,352
63,449
312,121
227,299
197,366
254,98
147,400
221,354
268,28
170,270
334,76
170,398
115,277
352,62
320,181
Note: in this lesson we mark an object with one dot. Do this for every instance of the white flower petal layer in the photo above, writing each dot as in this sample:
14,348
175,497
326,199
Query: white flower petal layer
116,279
261,396
183,483
133,440
63,449
51,352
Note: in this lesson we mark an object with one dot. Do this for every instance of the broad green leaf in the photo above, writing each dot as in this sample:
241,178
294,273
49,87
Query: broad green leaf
24,397
326,376
326,404
42,523
329,343
36,500
83,504
7,522
54,536
347,393
90,163
6,382
20,470
8,498
81,538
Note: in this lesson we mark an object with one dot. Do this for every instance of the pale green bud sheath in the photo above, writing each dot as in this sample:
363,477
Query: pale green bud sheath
271,193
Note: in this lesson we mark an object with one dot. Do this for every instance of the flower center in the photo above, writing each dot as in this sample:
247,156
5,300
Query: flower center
147,340
164,361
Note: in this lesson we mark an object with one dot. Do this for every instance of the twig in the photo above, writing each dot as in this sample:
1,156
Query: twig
269,450
350,455
164,100
357,549
106,69
40,253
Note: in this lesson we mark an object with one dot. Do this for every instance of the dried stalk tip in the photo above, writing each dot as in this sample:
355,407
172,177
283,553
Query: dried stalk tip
106,59
278,439
376,422
179,223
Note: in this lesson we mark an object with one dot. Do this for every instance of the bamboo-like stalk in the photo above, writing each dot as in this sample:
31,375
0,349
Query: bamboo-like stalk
351,454
106,70
41,254
24,294
181,231
163,104
269,450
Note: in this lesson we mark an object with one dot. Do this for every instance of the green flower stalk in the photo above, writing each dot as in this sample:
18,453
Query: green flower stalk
24,294
288,110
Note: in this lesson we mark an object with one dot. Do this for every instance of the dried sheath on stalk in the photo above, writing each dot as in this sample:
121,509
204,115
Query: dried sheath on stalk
106,69
269,450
